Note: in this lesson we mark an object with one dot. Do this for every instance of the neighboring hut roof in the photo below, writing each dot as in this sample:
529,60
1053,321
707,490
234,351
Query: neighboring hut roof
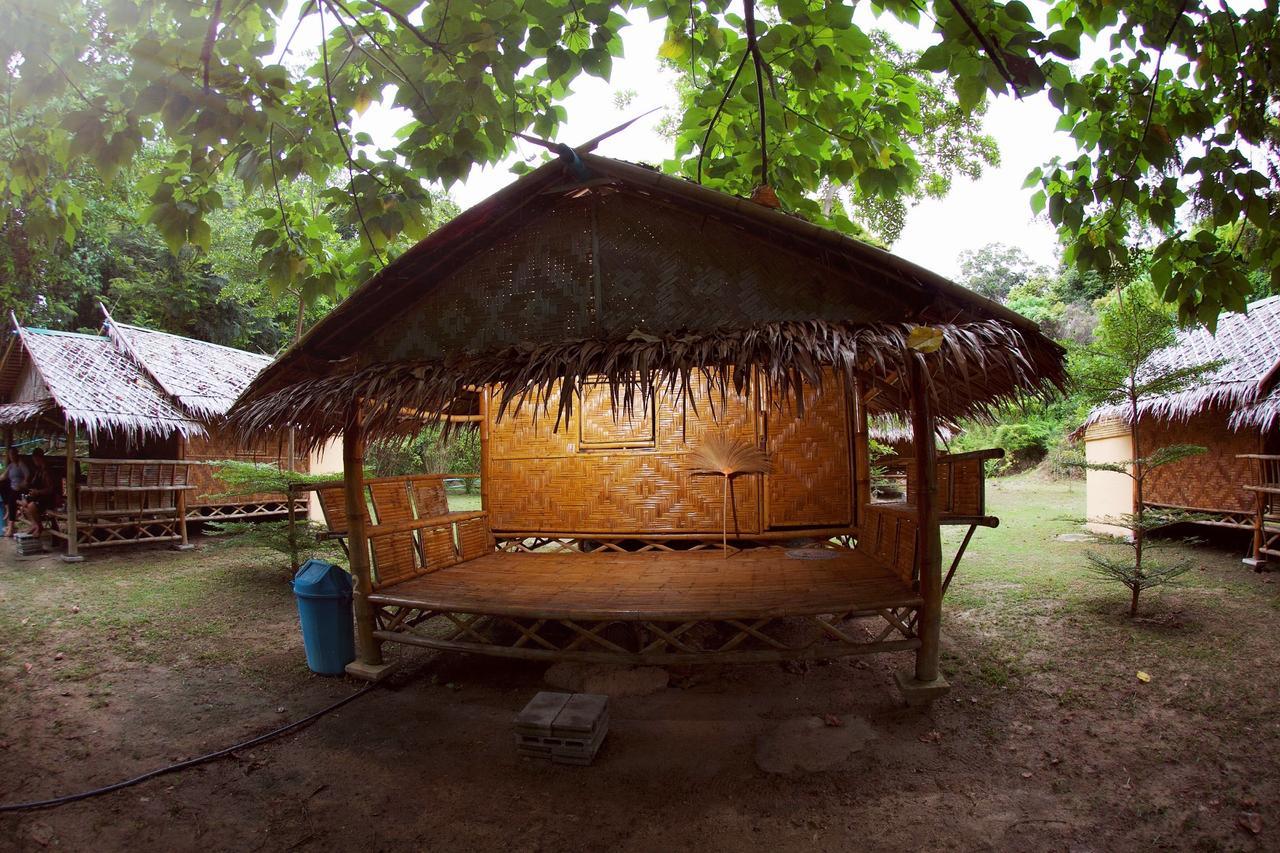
644,279
96,386
1245,384
134,382
204,378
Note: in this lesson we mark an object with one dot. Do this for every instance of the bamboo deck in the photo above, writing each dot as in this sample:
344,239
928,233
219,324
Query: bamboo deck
752,584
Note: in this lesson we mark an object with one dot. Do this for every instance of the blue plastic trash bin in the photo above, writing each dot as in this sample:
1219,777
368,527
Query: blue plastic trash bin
323,591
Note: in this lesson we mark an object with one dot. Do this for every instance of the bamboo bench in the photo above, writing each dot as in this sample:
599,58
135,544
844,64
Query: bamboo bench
411,530
124,501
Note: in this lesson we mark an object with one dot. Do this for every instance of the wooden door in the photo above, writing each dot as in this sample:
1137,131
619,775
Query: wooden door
811,482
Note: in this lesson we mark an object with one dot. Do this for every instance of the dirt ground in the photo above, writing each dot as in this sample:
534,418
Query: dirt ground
1048,740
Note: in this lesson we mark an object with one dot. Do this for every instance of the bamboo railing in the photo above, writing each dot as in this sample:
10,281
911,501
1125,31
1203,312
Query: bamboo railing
1266,521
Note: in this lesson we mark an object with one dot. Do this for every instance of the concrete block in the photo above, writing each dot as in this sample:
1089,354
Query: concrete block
920,693
370,672
567,728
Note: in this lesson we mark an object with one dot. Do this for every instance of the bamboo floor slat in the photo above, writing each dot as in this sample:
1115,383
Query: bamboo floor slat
756,583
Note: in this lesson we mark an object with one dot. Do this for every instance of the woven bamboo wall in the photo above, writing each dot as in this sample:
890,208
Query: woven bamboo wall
612,263
1211,480
541,480
218,445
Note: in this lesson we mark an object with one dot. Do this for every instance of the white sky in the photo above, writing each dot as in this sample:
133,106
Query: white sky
995,208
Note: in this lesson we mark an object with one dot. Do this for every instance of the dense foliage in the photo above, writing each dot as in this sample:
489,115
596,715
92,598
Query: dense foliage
1176,115
430,451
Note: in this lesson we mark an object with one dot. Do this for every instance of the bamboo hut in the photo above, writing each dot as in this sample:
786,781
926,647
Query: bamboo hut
137,412
603,323
1234,412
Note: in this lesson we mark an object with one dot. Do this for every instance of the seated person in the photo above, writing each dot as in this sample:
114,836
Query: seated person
41,492
13,482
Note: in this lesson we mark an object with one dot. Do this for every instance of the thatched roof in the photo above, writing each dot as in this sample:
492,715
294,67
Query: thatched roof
204,378
135,382
1246,385
96,387
603,268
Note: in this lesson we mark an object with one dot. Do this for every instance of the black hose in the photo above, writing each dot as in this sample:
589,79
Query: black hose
182,765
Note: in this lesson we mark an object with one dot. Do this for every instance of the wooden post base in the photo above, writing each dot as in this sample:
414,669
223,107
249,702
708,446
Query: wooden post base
370,672
920,693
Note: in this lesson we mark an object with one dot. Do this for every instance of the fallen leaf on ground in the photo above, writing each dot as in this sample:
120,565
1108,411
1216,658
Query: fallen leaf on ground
934,736
1143,677
1251,821
832,721
27,667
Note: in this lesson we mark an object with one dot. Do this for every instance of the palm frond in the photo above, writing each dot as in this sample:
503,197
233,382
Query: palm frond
719,454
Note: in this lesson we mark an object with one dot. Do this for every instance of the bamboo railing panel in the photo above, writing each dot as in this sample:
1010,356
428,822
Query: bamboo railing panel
961,484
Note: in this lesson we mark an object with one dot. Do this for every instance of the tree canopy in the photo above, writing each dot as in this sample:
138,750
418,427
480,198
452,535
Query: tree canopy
1175,121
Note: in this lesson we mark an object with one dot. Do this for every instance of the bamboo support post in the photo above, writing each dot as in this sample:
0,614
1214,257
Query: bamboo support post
368,663
73,528
183,543
926,684
290,495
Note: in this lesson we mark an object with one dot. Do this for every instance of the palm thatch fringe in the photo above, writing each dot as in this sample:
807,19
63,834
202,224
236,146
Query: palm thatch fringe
979,365
15,414
1240,398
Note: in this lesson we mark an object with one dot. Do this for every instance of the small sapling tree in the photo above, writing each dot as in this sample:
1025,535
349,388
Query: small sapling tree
1121,369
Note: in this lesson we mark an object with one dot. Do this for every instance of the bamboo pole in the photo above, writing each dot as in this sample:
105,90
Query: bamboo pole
368,648
289,496
73,499
183,543
930,552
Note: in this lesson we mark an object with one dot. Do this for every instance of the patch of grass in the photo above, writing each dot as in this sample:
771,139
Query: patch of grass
464,502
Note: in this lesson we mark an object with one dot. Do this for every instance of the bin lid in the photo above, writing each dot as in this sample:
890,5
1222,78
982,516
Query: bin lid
321,579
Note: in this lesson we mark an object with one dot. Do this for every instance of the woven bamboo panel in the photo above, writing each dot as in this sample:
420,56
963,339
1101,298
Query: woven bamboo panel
960,487
429,497
438,548
535,283
811,482
1211,480
612,263
625,492
890,537
474,539
601,425
539,479
391,502
333,503
394,558
543,480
